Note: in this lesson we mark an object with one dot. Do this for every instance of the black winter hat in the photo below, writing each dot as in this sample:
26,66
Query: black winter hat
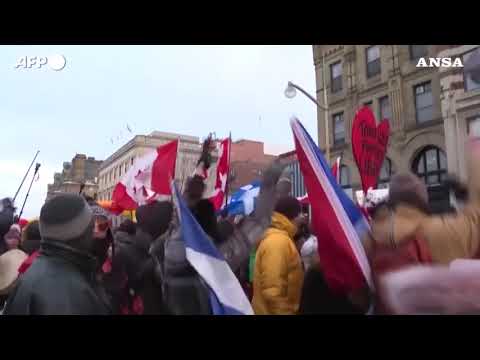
128,226
288,206
154,218
65,217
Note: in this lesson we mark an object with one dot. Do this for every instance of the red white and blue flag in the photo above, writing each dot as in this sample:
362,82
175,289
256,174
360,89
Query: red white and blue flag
336,219
336,169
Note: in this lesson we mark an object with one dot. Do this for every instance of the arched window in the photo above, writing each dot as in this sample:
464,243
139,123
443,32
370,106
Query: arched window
386,173
431,165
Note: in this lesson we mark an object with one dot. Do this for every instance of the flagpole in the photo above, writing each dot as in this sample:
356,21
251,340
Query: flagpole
21,184
28,192
227,185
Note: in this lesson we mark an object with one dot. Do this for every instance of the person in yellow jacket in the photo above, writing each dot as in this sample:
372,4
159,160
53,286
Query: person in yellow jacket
278,274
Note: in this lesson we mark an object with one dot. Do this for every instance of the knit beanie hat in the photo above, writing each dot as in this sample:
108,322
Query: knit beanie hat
9,264
154,218
99,211
65,217
410,189
288,206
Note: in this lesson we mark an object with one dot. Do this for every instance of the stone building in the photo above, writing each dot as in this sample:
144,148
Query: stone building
82,170
116,165
460,102
247,162
385,77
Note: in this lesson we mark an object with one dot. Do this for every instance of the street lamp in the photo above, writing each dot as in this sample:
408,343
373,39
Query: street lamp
290,93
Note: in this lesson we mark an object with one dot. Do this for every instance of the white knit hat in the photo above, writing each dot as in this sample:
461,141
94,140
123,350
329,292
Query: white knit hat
9,264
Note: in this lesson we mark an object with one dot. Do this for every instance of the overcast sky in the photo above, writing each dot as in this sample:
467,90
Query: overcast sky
190,90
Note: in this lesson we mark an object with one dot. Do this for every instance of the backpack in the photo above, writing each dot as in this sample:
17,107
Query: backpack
184,291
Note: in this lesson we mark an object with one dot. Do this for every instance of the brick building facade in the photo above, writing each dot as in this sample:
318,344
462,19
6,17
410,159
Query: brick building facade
385,77
460,103
117,164
247,162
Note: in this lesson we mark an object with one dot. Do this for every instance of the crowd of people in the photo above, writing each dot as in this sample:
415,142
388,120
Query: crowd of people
71,261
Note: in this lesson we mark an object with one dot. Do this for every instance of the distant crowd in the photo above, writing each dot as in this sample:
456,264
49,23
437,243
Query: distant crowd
71,261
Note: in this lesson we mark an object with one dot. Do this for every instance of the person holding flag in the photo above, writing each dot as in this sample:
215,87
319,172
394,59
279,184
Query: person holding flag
183,283
338,223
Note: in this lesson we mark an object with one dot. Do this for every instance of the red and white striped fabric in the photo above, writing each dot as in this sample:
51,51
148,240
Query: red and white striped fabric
336,169
223,168
304,199
147,180
335,217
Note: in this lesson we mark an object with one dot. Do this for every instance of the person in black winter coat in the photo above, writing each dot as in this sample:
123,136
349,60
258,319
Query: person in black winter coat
185,292
132,284
61,281
318,299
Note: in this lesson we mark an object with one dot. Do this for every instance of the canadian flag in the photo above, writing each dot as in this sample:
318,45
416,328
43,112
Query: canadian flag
201,171
147,180
336,169
223,168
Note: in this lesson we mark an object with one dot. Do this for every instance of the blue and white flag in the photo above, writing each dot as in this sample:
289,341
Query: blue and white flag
226,294
242,201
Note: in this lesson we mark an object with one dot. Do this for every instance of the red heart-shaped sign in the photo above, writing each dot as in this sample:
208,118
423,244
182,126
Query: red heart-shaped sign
369,145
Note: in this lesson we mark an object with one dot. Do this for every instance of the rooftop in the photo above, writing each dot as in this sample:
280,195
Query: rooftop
142,140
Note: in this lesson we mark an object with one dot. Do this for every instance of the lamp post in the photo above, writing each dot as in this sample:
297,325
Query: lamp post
290,93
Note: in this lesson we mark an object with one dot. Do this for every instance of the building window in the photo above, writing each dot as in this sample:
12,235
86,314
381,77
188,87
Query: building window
344,176
474,126
385,174
424,102
336,76
373,61
338,129
431,165
418,51
471,70
385,109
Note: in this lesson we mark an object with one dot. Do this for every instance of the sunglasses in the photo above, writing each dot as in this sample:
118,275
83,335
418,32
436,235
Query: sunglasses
102,224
